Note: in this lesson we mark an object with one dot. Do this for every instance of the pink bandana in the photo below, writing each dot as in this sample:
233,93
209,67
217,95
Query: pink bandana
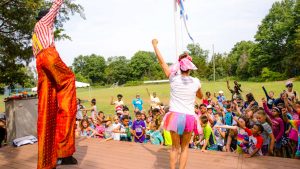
184,65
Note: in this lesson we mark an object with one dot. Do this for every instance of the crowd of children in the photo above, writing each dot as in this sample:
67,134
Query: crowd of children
234,125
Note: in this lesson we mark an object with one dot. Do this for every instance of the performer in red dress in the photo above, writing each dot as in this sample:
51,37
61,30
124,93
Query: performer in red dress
56,95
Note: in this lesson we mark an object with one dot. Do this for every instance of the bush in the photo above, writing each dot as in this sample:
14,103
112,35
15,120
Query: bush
269,75
133,83
256,79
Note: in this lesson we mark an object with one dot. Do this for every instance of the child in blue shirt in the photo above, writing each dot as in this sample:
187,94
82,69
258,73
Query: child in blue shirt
228,115
221,98
138,103
155,135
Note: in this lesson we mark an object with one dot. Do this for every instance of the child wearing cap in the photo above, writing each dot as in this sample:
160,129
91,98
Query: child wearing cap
221,98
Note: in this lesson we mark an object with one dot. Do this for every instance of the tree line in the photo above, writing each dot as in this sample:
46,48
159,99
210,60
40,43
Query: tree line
273,55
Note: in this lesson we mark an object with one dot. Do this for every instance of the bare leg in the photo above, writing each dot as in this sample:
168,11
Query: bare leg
175,149
186,137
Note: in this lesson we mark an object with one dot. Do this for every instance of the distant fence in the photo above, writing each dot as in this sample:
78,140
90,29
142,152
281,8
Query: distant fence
156,81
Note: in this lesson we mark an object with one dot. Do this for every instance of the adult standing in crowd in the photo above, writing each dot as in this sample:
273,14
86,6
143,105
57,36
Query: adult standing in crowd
292,94
79,115
181,119
137,103
154,100
56,93
119,103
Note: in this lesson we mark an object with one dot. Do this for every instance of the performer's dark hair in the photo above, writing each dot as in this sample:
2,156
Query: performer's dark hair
42,13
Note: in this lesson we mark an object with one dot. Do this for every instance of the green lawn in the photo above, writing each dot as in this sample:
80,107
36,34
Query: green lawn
103,95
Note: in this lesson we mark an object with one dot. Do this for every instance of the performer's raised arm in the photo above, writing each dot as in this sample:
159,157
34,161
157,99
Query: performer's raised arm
49,18
162,63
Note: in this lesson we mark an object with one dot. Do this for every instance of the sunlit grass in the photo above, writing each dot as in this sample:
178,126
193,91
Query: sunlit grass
103,95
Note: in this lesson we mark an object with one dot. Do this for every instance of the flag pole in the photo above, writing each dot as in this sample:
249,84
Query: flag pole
176,30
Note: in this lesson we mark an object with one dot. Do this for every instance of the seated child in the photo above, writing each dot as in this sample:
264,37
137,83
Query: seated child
242,135
116,128
138,128
100,128
108,133
91,122
295,124
155,135
85,130
100,117
255,139
219,132
125,129
210,141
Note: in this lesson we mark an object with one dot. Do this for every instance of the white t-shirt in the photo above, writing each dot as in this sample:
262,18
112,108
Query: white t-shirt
183,93
292,96
79,115
154,102
119,103
94,112
116,136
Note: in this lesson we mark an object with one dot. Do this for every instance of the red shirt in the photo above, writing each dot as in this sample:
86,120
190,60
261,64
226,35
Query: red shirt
43,35
256,140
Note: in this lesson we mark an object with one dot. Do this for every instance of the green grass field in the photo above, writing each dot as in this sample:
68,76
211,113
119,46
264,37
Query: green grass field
103,95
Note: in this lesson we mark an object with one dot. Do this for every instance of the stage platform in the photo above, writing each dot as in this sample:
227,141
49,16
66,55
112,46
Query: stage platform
92,153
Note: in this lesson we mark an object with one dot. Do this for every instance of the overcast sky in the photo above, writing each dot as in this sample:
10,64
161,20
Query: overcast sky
122,27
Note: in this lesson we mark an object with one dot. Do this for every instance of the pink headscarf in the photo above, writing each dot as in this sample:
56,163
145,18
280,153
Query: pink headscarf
183,64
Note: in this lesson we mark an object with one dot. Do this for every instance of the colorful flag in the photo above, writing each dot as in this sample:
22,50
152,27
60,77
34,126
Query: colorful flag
184,16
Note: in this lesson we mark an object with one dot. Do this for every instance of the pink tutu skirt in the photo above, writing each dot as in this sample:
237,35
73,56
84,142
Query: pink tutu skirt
180,122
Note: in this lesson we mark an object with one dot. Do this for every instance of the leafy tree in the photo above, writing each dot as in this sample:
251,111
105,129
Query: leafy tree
145,65
17,20
221,67
81,78
239,58
91,67
117,70
199,56
277,38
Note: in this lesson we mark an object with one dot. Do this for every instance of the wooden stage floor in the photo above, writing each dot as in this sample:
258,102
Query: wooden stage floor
91,153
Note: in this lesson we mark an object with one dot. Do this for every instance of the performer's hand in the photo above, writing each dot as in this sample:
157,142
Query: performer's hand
154,42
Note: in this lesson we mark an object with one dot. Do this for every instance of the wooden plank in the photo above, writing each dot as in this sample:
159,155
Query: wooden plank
94,153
